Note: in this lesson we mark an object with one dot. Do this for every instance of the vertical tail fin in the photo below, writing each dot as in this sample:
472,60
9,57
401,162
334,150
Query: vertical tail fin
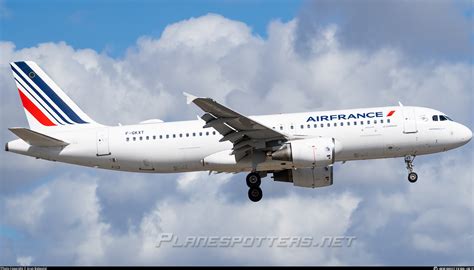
45,104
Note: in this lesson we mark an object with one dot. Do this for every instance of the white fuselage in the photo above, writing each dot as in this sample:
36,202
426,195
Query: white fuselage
184,146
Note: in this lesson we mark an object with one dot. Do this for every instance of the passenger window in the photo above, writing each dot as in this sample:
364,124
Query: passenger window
388,121
141,138
128,139
322,125
442,118
315,125
167,136
187,134
435,118
342,124
134,139
161,136
213,133
194,134
200,133
302,126
368,122
207,133
329,124
348,123
375,121
291,127
281,127
147,138
154,137
309,125
180,135
381,121
335,124
362,122
355,123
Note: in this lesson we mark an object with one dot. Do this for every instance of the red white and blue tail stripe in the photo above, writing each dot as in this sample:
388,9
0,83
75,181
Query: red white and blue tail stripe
44,102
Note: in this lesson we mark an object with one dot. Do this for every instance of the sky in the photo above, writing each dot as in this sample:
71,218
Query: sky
113,26
128,61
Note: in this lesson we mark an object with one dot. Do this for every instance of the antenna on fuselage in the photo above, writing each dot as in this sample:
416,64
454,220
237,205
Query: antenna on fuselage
399,103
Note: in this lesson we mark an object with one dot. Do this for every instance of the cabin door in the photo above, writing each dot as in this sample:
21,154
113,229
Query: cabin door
103,142
409,121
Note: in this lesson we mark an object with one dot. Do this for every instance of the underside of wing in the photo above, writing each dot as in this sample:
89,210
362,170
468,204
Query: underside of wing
245,133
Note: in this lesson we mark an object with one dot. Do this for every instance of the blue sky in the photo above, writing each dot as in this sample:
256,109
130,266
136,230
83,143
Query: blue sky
128,61
114,25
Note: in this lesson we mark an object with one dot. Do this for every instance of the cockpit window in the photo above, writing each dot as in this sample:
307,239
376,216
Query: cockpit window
441,118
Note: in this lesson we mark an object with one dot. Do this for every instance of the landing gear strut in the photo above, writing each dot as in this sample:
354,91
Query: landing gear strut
412,176
253,182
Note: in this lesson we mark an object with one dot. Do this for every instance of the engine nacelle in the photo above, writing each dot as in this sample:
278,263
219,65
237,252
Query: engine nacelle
307,153
306,177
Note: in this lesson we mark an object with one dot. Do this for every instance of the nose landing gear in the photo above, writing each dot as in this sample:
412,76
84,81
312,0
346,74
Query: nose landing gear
412,176
253,182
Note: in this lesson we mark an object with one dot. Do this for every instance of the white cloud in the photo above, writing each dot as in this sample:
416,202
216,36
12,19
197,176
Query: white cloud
64,213
203,34
427,243
273,217
30,206
81,236
226,59
78,233
110,218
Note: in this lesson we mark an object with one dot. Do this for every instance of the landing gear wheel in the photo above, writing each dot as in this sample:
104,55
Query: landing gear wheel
253,180
412,177
255,194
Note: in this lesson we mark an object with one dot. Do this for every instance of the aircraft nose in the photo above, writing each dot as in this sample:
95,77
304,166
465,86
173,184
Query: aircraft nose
465,134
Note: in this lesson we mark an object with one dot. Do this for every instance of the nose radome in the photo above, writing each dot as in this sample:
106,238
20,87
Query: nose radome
466,134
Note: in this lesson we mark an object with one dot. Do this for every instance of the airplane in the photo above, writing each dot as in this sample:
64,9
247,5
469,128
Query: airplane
298,148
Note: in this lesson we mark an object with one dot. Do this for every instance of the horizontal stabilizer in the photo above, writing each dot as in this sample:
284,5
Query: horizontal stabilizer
37,139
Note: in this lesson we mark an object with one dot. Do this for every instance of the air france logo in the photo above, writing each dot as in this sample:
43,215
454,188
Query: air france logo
320,118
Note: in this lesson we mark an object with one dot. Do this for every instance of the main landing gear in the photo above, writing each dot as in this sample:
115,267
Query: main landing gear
412,176
253,182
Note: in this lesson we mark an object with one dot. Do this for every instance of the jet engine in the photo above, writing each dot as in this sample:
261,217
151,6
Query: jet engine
306,177
307,153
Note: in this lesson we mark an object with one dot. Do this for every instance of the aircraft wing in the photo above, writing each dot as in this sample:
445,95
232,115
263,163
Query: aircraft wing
246,134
